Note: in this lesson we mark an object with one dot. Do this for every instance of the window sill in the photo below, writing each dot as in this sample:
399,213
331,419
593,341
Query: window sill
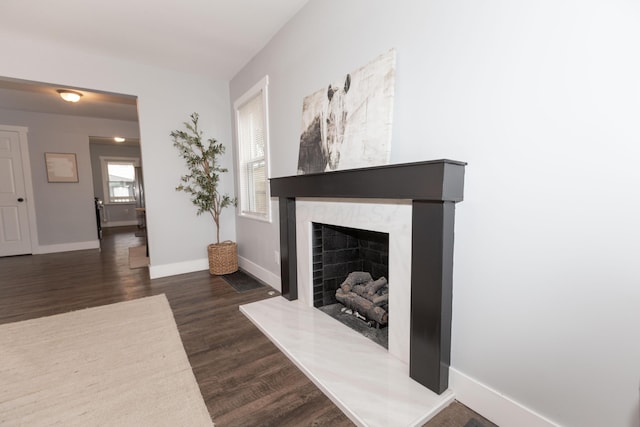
260,218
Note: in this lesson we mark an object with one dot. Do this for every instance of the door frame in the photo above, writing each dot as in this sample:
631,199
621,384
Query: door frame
28,182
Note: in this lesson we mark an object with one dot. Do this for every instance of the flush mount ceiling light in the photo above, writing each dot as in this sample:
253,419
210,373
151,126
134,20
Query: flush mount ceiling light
118,139
69,95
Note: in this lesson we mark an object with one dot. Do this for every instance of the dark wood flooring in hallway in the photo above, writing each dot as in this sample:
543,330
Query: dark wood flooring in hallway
244,379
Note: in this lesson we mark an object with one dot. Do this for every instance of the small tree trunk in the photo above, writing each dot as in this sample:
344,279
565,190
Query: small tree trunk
216,219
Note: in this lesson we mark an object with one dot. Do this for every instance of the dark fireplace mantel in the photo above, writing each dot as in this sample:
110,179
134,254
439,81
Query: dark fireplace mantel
433,187
435,180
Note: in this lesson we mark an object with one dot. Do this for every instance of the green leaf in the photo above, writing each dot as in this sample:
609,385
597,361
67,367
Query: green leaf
201,159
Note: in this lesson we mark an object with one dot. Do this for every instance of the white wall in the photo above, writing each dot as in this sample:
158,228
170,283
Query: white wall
542,99
177,238
65,213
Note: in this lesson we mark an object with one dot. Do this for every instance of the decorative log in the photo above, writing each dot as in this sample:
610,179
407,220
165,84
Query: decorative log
375,286
380,299
363,306
360,290
355,278
363,291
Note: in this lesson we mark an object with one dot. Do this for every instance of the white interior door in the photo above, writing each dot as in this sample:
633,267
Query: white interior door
15,236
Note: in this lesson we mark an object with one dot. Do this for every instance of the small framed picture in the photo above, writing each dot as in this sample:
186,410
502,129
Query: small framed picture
61,167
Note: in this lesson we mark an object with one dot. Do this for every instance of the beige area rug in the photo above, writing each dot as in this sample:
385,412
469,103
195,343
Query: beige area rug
138,257
117,365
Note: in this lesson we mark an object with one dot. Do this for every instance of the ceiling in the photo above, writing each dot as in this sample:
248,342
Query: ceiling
36,97
209,37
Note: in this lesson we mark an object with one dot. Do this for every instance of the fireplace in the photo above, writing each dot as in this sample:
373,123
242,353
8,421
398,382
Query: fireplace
338,251
425,193
391,218
350,270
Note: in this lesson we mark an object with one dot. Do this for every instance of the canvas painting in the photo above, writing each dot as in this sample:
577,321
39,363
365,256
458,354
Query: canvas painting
347,124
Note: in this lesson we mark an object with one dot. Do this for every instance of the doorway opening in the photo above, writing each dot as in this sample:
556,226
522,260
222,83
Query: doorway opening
63,215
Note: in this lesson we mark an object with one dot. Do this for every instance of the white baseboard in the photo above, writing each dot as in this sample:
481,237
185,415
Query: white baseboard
119,223
157,271
67,247
493,405
260,273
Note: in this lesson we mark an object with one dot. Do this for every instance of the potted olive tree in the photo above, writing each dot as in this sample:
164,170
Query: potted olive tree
201,183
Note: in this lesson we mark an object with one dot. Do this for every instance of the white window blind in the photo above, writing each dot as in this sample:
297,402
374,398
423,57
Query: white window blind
253,152
119,180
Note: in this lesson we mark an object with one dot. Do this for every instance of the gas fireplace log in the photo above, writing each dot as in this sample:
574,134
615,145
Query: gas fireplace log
380,299
355,278
363,306
374,287
361,291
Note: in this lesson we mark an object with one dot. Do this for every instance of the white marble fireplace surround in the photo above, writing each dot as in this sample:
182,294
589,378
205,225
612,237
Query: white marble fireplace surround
370,384
392,217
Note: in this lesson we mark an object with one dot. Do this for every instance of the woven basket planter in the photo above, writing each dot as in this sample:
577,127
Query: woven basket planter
223,258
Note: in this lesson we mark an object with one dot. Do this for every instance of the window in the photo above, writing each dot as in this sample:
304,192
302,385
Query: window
253,152
119,179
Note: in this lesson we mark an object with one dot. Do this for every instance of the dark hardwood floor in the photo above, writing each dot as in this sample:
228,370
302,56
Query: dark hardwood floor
244,379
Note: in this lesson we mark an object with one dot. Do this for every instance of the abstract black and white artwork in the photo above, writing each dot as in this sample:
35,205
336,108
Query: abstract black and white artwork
347,124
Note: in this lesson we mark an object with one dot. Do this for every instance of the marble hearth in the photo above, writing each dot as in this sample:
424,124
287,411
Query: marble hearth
414,203
340,361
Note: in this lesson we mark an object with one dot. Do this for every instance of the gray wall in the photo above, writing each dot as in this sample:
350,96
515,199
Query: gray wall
115,213
542,99
64,211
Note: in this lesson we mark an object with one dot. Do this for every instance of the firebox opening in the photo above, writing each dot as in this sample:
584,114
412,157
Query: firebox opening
361,258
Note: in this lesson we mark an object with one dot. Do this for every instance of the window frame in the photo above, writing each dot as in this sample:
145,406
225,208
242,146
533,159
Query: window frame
106,194
261,87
